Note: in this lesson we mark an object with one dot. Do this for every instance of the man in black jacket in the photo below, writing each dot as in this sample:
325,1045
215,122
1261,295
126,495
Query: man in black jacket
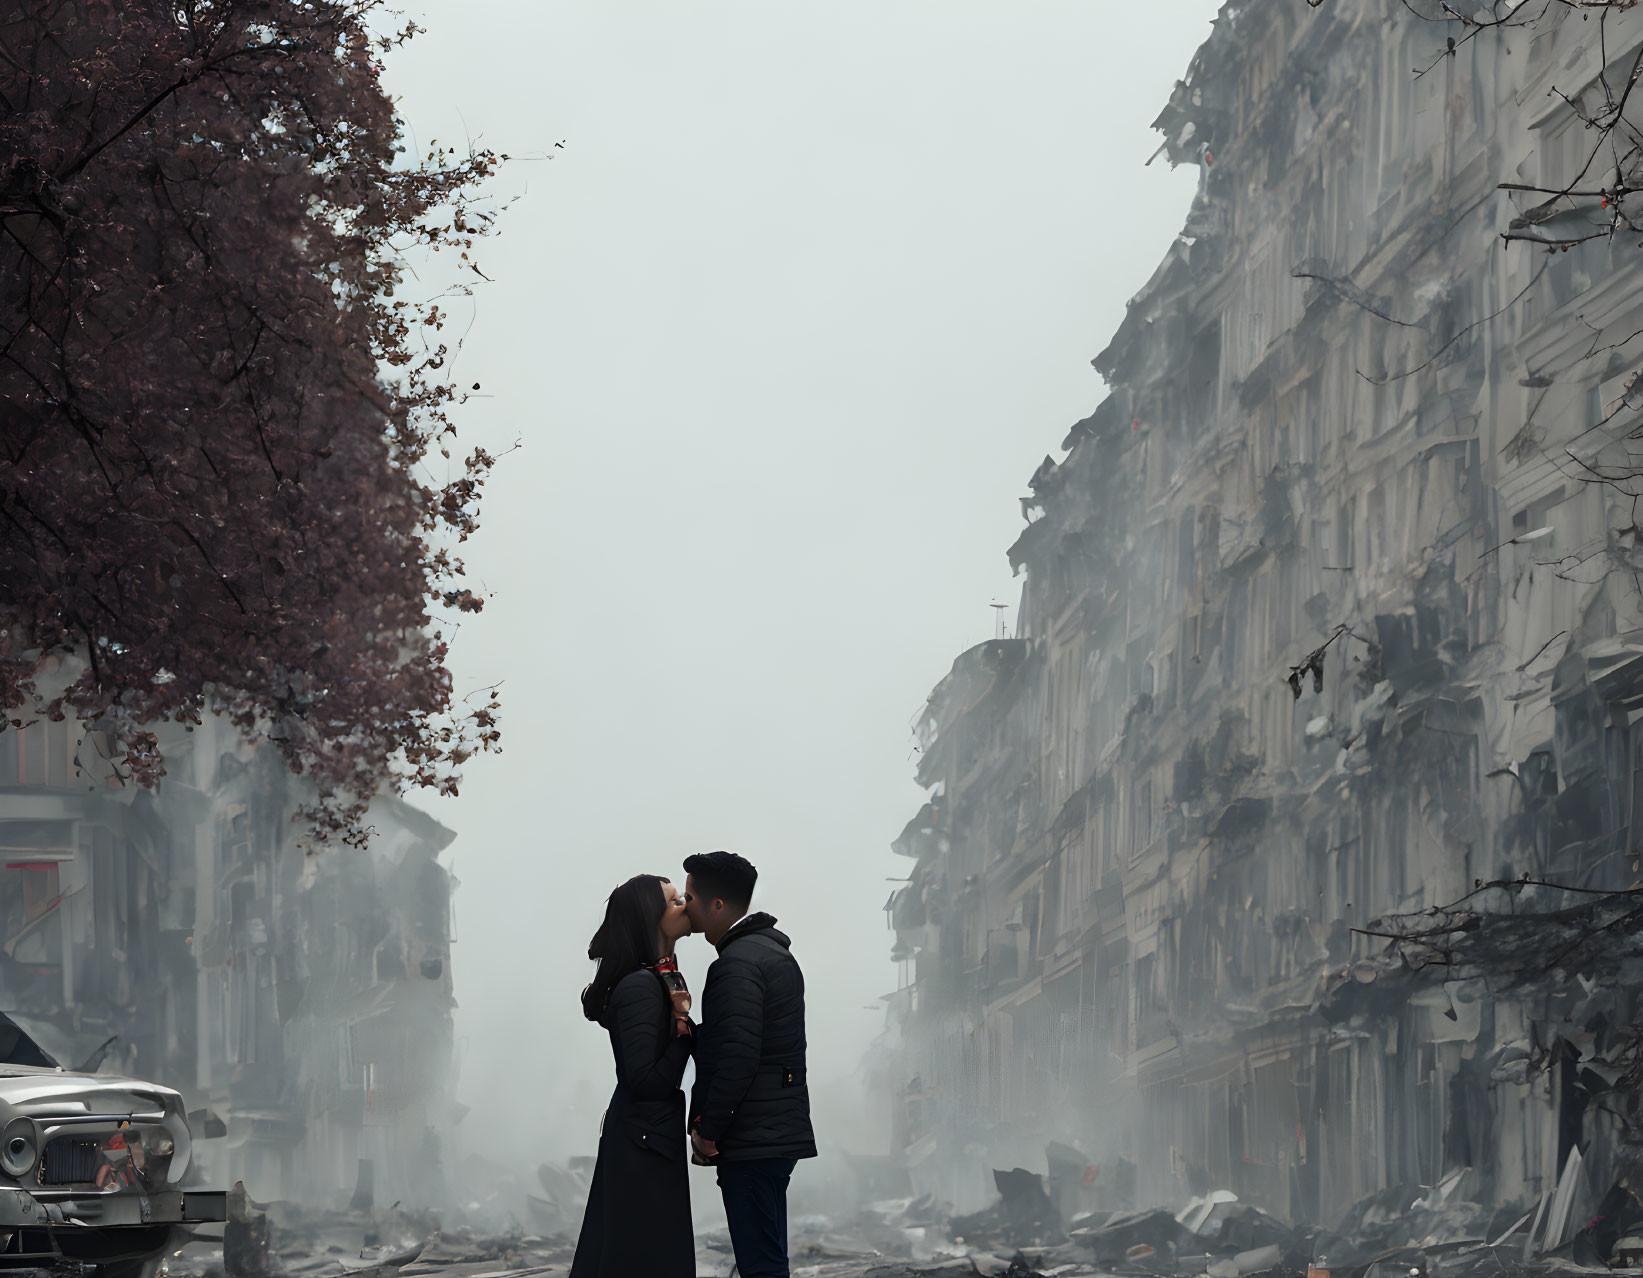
750,1108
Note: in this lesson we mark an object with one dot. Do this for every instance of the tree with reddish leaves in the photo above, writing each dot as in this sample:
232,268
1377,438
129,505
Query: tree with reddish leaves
215,400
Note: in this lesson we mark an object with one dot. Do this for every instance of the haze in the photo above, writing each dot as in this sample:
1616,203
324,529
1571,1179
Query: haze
783,328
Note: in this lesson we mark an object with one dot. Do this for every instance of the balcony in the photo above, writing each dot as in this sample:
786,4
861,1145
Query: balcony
922,836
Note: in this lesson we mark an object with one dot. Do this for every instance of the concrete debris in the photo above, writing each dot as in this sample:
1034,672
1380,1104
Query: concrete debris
1407,1231
245,1236
563,1198
1119,1236
1230,1224
383,1258
1411,1231
1018,1267
1256,1260
1434,1230
1023,1214
961,1268
1195,1215
1571,1183
291,1240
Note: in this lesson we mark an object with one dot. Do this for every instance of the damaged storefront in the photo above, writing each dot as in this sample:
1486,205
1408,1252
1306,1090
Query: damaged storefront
300,999
1330,617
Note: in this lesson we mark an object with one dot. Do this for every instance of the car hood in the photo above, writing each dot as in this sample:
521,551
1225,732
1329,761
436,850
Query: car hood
57,1091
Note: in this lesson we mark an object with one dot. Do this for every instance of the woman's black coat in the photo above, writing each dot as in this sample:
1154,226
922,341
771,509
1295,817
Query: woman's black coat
638,1217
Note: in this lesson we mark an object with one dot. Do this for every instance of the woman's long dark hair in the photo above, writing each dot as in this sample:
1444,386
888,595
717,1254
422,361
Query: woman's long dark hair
626,940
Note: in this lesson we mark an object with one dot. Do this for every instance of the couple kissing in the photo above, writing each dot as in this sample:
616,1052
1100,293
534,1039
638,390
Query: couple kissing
749,1113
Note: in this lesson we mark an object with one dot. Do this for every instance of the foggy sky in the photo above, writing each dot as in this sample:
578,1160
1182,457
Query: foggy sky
783,329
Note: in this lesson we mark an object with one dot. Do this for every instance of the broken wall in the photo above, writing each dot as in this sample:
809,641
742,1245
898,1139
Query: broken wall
1337,401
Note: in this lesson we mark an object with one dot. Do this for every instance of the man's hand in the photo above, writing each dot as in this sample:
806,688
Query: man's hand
682,1027
704,1148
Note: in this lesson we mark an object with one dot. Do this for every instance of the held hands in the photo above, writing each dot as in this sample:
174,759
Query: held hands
683,1028
705,1149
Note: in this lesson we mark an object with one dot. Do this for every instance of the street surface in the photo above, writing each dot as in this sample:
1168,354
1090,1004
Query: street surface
328,1245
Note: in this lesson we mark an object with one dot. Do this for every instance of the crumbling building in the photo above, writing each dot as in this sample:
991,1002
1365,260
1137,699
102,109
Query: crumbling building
1330,611
302,997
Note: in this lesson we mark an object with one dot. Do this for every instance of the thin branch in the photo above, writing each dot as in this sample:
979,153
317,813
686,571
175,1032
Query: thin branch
1430,359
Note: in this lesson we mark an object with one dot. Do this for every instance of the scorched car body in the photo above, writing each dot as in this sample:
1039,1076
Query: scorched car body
91,1165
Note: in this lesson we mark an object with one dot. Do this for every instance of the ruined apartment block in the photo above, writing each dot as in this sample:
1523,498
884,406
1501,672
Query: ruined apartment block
1129,919
304,999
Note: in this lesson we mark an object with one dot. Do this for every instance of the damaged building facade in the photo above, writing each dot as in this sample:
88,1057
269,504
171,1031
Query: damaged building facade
302,998
1325,617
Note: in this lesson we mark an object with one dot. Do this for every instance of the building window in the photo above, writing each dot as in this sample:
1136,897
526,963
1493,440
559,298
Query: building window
1377,526
1187,553
1531,518
40,754
1143,817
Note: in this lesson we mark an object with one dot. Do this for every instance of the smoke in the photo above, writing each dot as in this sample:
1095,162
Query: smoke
765,326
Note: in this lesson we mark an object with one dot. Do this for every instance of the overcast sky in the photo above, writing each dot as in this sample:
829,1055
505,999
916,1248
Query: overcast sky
783,328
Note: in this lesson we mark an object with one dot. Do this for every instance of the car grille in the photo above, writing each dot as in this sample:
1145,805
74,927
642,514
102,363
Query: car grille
70,1162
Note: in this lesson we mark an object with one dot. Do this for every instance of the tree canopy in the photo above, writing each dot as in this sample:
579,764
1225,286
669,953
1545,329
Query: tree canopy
216,401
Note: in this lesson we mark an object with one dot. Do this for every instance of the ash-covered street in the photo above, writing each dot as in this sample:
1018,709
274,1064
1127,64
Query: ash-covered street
1404,1232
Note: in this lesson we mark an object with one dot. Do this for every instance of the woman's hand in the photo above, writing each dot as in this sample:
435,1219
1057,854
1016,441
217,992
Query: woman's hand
683,1027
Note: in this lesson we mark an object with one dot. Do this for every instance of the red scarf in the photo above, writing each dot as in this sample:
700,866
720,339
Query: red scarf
674,980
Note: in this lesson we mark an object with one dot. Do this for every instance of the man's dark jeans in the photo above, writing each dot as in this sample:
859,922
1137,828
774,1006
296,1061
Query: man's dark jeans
755,1194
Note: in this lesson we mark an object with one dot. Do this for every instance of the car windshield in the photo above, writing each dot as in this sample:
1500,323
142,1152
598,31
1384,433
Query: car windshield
17,1048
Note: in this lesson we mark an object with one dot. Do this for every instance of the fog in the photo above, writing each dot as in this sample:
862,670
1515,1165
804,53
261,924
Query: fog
782,329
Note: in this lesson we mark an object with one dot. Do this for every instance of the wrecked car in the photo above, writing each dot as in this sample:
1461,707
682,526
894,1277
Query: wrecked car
91,1166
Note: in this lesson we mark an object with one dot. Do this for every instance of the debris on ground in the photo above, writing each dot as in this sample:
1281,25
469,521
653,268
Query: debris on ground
962,1267
1404,1231
245,1236
1023,1216
563,1197
1439,1230
1115,1238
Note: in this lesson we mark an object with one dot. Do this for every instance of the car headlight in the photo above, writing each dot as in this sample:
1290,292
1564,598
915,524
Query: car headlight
19,1147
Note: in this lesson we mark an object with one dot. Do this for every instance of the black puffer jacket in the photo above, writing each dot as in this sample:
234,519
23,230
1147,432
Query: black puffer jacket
750,1095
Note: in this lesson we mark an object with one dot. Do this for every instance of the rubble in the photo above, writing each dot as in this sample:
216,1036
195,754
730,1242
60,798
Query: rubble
292,1240
245,1236
1118,1235
1023,1215
563,1198
1407,1231
964,1267
956,1268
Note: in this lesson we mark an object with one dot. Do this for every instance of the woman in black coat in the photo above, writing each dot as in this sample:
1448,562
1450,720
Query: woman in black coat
638,1218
